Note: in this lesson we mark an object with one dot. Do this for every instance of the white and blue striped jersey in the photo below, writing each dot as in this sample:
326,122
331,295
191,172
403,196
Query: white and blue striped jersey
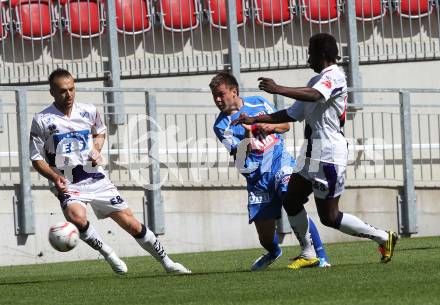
325,118
65,142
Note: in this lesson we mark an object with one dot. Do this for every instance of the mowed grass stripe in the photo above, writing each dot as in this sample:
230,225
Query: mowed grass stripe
356,277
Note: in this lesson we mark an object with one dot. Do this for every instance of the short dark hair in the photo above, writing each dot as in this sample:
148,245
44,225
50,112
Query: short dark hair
58,73
325,44
224,78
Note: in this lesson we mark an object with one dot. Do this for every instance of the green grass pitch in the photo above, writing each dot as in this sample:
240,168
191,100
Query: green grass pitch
357,277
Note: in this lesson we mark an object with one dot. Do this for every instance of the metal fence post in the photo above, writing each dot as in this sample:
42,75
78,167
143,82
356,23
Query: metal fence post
354,79
114,99
154,214
283,225
23,205
233,52
1,115
408,207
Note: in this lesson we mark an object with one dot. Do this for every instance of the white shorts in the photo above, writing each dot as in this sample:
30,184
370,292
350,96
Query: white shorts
327,179
101,194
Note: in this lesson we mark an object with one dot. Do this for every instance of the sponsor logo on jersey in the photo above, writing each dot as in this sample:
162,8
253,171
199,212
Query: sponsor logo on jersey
327,83
52,129
263,143
258,197
70,142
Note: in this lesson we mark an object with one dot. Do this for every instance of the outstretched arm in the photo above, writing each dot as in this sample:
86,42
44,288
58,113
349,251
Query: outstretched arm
273,118
304,94
272,128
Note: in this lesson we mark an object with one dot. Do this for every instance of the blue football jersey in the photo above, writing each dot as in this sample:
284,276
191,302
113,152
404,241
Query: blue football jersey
266,148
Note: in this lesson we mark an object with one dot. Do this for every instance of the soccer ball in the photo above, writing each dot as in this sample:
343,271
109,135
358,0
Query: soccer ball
63,236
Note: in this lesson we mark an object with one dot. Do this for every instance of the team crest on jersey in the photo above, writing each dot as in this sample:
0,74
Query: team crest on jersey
48,119
85,114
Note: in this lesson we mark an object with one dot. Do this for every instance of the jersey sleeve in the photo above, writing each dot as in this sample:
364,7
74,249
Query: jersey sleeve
296,111
327,85
36,141
270,108
98,124
228,139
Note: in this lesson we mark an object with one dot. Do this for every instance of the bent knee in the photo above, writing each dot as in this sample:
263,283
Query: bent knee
333,221
80,221
77,216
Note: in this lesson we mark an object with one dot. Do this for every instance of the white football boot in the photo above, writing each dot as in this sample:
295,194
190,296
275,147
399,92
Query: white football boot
117,264
177,268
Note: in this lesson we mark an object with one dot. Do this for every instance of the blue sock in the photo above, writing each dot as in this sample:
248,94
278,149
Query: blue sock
316,239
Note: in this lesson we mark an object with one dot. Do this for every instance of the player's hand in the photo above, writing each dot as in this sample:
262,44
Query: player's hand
243,119
264,128
60,184
96,157
268,85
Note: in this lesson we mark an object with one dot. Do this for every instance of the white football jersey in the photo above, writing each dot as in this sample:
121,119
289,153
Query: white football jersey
65,142
324,140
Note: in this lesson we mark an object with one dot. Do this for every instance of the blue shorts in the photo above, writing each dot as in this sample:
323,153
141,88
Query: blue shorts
265,194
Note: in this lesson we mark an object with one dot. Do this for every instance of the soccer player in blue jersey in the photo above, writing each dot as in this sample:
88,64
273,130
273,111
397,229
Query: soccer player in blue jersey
321,165
262,159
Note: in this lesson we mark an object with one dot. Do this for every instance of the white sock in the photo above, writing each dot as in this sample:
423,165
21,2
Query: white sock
300,226
92,238
150,243
354,226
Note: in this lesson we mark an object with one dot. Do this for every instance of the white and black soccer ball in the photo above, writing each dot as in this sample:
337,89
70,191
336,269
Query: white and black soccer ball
63,236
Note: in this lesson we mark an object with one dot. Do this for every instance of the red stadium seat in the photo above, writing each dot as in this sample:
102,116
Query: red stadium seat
217,13
132,16
179,15
84,18
3,30
414,8
34,19
370,9
321,11
273,12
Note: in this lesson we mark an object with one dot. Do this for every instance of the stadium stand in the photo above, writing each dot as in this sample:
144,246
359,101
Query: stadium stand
414,8
368,10
83,18
133,16
34,19
321,11
3,30
273,12
179,15
216,11
150,52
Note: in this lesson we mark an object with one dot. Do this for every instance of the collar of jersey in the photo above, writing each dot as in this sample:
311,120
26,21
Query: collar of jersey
328,68
62,114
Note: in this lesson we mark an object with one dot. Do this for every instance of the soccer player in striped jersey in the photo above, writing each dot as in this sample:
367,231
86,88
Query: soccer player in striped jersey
262,159
66,139
323,159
